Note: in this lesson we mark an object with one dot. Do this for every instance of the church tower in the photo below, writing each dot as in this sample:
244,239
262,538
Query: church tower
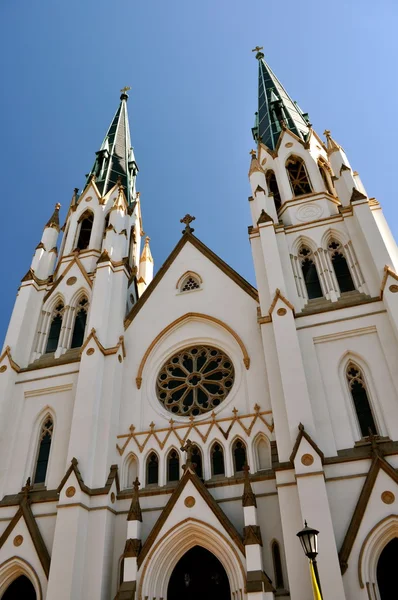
166,436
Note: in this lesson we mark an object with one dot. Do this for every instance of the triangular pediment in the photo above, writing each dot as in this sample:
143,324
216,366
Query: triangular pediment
190,498
209,254
75,268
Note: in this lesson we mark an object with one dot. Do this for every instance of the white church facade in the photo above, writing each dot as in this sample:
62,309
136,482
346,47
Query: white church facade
164,437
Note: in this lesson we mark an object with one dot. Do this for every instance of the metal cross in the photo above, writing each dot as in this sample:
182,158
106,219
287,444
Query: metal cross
125,89
258,48
187,220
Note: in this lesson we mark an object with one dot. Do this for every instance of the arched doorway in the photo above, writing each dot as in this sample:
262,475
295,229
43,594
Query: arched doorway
20,588
386,570
198,575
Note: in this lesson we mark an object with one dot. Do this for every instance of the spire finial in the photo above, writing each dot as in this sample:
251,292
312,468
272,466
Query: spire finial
332,145
187,220
259,54
135,509
124,91
54,219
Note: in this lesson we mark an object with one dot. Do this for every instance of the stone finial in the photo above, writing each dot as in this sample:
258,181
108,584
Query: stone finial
54,219
248,498
187,220
146,252
331,144
135,508
73,202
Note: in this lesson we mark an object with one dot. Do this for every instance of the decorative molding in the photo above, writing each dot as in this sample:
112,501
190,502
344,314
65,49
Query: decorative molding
13,365
74,261
303,434
50,390
279,296
105,351
187,316
173,430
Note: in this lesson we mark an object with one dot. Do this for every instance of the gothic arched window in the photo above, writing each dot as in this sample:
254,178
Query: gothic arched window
340,266
131,471
239,455
43,454
298,176
217,460
272,185
173,466
190,283
263,454
326,177
276,559
310,273
55,328
106,224
361,401
197,461
86,225
152,469
80,323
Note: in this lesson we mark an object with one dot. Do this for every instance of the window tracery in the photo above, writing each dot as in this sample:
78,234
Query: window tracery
80,323
298,176
361,401
43,455
189,284
55,328
195,380
340,266
310,273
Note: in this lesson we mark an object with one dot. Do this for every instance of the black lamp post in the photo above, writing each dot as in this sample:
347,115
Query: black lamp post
309,541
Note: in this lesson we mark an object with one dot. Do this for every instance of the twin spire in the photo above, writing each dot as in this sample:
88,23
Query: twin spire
115,160
276,110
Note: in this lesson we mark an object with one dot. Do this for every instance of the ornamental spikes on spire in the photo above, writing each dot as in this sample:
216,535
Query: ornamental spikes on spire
332,145
54,219
115,159
276,110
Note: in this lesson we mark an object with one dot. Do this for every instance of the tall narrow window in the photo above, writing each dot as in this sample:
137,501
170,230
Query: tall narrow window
132,471
276,559
44,451
152,469
217,460
298,176
80,323
327,180
361,400
340,267
273,188
239,454
55,329
86,225
173,466
197,461
263,455
310,273
106,224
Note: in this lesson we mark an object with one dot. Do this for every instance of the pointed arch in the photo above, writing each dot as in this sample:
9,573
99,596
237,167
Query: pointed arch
277,564
84,229
360,398
273,187
262,452
173,465
79,326
373,545
310,272
217,459
152,468
239,454
197,459
130,470
326,174
340,266
298,175
43,449
55,325
189,281
16,567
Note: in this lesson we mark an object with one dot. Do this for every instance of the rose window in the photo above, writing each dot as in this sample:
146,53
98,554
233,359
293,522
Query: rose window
195,380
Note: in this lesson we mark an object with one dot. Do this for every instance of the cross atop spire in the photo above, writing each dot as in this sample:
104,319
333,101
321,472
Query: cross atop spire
115,162
276,110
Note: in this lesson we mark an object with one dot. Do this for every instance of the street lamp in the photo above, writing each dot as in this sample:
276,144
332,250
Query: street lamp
309,541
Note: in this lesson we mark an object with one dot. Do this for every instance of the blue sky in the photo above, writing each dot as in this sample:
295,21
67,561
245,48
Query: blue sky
193,97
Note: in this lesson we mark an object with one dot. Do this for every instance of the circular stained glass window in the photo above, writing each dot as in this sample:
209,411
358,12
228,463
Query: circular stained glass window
195,380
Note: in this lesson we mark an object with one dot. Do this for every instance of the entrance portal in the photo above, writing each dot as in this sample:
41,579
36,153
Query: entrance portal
198,575
386,571
20,588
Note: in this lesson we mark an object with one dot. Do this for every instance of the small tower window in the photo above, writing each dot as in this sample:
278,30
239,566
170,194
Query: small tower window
361,400
263,454
310,273
86,225
217,460
326,177
55,329
239,454
44,451
340,267
272,185
173,466
152,469
298,176
80,324
132,471
197,461
276,559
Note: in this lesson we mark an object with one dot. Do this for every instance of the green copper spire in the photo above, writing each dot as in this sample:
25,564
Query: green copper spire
276,110
115,160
